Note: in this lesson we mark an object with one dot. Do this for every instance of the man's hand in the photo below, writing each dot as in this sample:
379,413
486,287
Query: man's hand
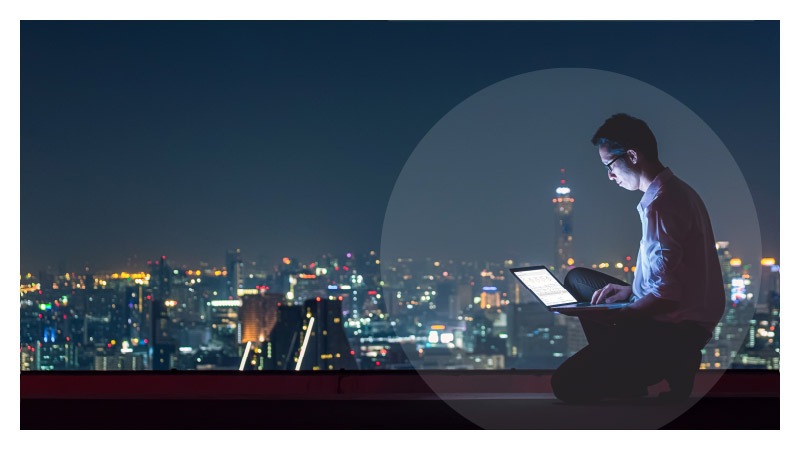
612,293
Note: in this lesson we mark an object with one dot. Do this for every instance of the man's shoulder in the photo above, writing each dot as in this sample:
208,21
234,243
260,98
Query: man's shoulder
675,190
678,201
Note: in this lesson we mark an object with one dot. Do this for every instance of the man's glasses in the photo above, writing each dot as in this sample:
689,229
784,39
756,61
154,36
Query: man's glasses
608,166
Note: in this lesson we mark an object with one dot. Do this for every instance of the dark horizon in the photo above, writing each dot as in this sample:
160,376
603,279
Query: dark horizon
191,138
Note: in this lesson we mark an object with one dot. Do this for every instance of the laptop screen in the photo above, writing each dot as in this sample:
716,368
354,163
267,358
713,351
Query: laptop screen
545,286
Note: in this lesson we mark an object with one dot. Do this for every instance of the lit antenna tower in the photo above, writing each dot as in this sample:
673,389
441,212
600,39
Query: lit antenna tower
562,204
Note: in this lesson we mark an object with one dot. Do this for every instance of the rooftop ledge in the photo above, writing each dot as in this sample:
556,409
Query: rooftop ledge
407,399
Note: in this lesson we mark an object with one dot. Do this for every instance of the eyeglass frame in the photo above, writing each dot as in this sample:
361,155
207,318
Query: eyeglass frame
608,166
615,147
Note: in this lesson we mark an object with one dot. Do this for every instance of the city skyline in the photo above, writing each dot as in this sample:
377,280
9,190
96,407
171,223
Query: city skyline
191,139
456,314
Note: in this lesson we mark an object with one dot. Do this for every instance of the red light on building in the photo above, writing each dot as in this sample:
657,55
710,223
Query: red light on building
377,363
627,258
372,292
352,352
345,268
319,299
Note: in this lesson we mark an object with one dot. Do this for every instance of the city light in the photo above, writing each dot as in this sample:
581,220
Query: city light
305,344
226,303
409,292
244,356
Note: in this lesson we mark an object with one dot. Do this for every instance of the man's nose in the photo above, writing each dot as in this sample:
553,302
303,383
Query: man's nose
611,175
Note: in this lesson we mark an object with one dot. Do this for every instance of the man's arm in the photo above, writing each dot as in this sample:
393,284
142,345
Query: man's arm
647,306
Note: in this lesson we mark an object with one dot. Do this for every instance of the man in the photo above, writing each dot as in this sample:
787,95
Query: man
677,296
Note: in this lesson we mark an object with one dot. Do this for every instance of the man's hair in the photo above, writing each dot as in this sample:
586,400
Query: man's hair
622,131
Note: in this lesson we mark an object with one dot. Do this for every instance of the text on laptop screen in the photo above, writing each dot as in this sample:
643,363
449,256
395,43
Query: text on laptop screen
546,287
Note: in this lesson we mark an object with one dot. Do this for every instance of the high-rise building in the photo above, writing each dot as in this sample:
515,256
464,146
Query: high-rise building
562,206
324,343
163,343
283,346
235,270
257,317
725,257
445,298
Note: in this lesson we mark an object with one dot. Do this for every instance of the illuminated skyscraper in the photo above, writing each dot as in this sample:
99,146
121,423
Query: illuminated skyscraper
257,316
562,206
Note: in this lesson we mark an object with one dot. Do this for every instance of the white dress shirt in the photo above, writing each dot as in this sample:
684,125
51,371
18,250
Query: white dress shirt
677,257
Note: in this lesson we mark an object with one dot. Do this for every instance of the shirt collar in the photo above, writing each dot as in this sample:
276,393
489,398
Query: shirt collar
652,190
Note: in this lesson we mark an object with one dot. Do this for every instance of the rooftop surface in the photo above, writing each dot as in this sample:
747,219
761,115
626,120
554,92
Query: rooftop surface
511,399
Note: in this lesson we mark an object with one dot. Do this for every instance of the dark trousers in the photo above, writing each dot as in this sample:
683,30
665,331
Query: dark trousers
622,359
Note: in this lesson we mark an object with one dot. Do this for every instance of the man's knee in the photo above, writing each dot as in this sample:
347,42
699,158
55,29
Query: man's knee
575,276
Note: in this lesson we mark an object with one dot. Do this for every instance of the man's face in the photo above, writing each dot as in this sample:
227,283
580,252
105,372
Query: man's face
618,168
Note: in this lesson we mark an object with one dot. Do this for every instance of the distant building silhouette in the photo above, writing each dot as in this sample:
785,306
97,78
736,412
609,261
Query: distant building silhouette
324,344
163,344
283,345
234,267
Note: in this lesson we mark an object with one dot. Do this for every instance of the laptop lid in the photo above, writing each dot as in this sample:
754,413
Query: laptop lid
544,286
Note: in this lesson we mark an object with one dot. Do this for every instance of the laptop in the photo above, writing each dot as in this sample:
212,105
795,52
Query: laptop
553,295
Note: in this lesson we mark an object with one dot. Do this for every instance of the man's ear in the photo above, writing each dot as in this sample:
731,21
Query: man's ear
633,155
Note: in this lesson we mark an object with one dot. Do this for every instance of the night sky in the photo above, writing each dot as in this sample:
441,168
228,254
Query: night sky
186,139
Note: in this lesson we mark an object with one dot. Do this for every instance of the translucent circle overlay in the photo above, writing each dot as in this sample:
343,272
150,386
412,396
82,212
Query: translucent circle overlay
480,185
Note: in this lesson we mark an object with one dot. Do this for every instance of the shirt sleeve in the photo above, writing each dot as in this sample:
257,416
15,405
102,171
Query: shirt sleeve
668,232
